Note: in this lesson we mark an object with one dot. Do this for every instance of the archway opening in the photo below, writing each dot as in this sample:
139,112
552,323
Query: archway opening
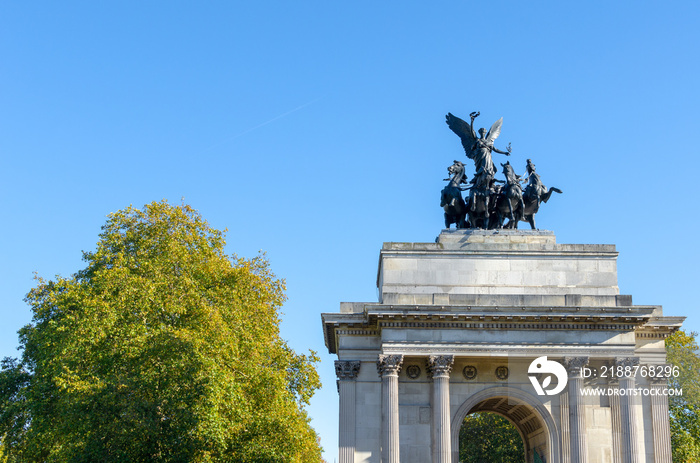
487,437
502,428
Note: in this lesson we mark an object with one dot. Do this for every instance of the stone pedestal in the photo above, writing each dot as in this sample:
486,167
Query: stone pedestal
477,308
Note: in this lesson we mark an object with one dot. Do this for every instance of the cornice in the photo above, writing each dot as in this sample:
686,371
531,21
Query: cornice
377,317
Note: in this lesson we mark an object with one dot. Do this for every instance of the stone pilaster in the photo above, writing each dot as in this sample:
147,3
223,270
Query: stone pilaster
614,383
389,367
577,412
660,425
440,367
346,371
628,412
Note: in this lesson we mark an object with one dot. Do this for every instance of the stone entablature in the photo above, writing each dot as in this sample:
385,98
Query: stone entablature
458,325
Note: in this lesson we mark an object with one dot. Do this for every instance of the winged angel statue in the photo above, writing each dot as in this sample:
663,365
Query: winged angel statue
478,149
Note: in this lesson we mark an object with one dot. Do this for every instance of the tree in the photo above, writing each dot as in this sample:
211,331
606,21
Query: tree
488,437
161,349
684,410
3,458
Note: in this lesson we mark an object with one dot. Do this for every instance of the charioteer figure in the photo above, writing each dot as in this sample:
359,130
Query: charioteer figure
535,194
535,191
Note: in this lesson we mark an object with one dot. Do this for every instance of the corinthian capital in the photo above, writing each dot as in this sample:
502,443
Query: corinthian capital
573,365
440,365
658,380
347,369
626,361
389,364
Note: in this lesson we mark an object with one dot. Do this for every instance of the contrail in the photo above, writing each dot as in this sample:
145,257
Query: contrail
260,125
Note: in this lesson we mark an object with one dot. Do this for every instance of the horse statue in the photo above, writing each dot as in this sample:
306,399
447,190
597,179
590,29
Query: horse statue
535,194
481,201
509,202
451,197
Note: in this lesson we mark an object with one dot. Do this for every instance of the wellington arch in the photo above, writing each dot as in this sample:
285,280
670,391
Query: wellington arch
503,321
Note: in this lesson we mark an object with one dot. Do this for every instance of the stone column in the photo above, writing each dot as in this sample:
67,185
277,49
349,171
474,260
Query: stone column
440,367
389,367
614,384
660,426
565,432
577,411
347,371
628,412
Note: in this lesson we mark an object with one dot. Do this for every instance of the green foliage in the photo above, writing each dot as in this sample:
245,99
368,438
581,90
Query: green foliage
682,350
488,437
3,457
162,350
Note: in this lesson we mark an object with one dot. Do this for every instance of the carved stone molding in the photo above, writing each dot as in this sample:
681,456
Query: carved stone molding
347,369
440,365
389,364
573,365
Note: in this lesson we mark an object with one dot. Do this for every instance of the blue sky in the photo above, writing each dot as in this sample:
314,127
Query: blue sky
315,131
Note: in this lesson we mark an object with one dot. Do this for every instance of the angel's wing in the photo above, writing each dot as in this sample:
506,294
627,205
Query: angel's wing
463,130
494,131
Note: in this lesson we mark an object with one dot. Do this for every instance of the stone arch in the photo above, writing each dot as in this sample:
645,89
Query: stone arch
519,403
